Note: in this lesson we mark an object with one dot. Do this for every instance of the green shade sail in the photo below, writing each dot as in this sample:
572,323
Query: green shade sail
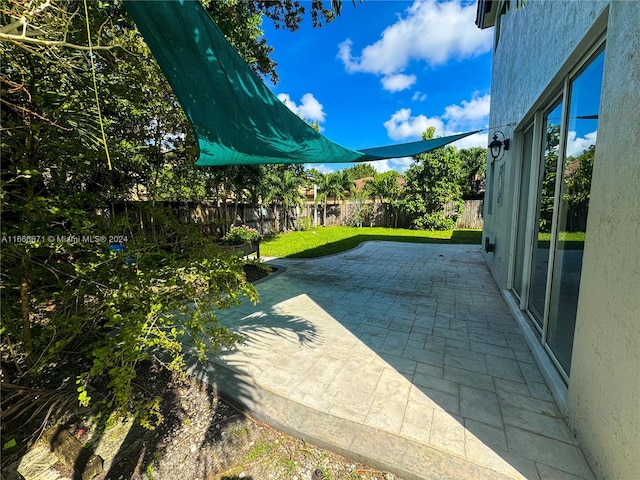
236,118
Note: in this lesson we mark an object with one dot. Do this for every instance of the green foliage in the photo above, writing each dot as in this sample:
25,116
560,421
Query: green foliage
261,448
384,186
474,167
9,444
362,209
361,170
288,465
305,224
73,309
577,188
432,193
284,189
97,313
547,193
238,235
330,185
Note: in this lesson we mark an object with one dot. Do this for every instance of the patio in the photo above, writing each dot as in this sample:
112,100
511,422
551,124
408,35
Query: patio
400,355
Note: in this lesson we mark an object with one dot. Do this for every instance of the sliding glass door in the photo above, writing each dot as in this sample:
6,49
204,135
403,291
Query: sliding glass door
544,219
572,205
523,199
547,269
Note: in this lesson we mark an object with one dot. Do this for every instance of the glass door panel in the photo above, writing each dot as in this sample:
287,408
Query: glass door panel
546,193
573,208
521,233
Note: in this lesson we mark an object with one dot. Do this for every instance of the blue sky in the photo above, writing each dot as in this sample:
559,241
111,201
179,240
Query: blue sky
384,71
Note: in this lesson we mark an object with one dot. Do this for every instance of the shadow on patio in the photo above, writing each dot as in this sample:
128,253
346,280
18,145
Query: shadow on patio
396,350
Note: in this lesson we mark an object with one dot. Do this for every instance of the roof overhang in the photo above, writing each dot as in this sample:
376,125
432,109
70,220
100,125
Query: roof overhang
486,13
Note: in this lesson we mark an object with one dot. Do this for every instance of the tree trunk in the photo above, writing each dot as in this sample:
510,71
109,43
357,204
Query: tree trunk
285,218
235,210
276,219
261,219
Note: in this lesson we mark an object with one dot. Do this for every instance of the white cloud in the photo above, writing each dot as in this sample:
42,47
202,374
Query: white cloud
381,166
402,125
398,82
323,168
467,115
427,31
419,97
344,54
576,146
480,139
397,164
309,109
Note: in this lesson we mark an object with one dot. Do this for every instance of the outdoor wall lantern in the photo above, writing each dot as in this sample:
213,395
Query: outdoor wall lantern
498,146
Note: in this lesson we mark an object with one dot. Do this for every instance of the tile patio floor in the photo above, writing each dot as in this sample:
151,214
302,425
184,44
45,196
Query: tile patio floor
401,355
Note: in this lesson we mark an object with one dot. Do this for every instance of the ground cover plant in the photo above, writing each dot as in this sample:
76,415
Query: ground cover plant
329,240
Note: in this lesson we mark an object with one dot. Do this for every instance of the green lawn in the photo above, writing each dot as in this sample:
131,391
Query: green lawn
564,236
568,240
328,240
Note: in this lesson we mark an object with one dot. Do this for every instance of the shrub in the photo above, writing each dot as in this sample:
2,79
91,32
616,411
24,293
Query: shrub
91,314
241,234
305,224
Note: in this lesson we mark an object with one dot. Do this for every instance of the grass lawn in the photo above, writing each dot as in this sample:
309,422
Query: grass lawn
329,240
567,240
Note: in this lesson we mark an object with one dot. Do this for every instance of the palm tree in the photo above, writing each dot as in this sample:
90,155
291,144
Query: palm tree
384,187
336,187
284,187
330,185
321,180
254,187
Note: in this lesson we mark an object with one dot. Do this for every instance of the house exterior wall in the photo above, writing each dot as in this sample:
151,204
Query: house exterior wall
525,65
538,46
604,387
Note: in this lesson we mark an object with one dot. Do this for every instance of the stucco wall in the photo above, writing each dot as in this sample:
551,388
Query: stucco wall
534,50
604,387
538,46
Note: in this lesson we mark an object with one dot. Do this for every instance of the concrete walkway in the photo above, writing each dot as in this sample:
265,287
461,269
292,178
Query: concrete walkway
400,355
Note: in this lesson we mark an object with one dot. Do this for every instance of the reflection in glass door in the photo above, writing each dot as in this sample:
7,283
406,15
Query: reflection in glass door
573,209
546,194
563,186
521,233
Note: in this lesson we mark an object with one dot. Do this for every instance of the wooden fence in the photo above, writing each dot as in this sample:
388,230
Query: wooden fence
215,218
383,215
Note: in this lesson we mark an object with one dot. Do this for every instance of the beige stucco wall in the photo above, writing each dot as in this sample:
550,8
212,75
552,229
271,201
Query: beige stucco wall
538,46
533,53
604,387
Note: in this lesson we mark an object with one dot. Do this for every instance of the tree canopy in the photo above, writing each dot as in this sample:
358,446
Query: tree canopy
361,170
432,193
94,285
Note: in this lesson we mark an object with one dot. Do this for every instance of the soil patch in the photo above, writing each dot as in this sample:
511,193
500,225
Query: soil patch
204,437
255,272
